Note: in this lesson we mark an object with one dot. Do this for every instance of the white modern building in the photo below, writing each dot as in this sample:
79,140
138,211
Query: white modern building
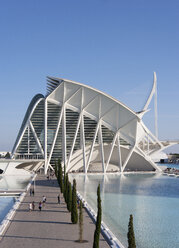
87,129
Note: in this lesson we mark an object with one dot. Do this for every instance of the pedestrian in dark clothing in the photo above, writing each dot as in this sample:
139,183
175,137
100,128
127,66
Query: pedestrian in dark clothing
33,192
40,205
33,205
58,199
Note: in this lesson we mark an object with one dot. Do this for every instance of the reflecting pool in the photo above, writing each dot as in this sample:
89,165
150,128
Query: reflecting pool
11,183
6,204
14,182
152,199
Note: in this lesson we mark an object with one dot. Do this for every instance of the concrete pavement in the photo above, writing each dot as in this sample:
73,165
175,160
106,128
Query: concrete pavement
51,227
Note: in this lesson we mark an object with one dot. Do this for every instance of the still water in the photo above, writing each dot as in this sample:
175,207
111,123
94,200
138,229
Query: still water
6,204
14,182
10,183
152,199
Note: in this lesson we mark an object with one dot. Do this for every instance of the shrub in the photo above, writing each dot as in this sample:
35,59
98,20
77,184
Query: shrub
74,212
130,234
69,200
81,222
98,220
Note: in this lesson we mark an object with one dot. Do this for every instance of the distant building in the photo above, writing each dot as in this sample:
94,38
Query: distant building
159,156
3,154
173,158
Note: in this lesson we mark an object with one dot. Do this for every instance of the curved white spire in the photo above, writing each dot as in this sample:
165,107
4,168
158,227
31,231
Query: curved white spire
154,88
145,108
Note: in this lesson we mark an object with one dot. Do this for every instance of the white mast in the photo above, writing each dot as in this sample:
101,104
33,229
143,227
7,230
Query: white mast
153,91
155,106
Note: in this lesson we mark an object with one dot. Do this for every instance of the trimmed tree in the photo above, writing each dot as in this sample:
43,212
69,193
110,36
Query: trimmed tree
98,220
69,200
64,174
130,234
64,181
60,176
81,222
74,211
59,163
56,169
66,188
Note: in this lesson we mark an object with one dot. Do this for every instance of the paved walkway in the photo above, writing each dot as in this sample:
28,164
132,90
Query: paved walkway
49,228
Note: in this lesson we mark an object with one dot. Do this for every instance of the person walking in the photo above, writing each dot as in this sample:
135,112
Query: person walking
40,205
30,207
58,199
33,205
44,200
30,192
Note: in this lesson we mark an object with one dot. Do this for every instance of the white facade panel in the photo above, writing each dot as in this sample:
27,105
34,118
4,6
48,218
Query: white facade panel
130,131
93,107
106,105
88,96
76,99
124,116
58,94
69,90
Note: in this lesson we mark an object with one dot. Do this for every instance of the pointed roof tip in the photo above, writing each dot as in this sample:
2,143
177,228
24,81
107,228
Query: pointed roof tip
50,77
53,83
155,75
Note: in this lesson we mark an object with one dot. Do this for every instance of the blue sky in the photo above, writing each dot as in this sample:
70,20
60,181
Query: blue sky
111,45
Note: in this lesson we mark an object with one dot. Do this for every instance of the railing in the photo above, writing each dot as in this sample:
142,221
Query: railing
29,156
